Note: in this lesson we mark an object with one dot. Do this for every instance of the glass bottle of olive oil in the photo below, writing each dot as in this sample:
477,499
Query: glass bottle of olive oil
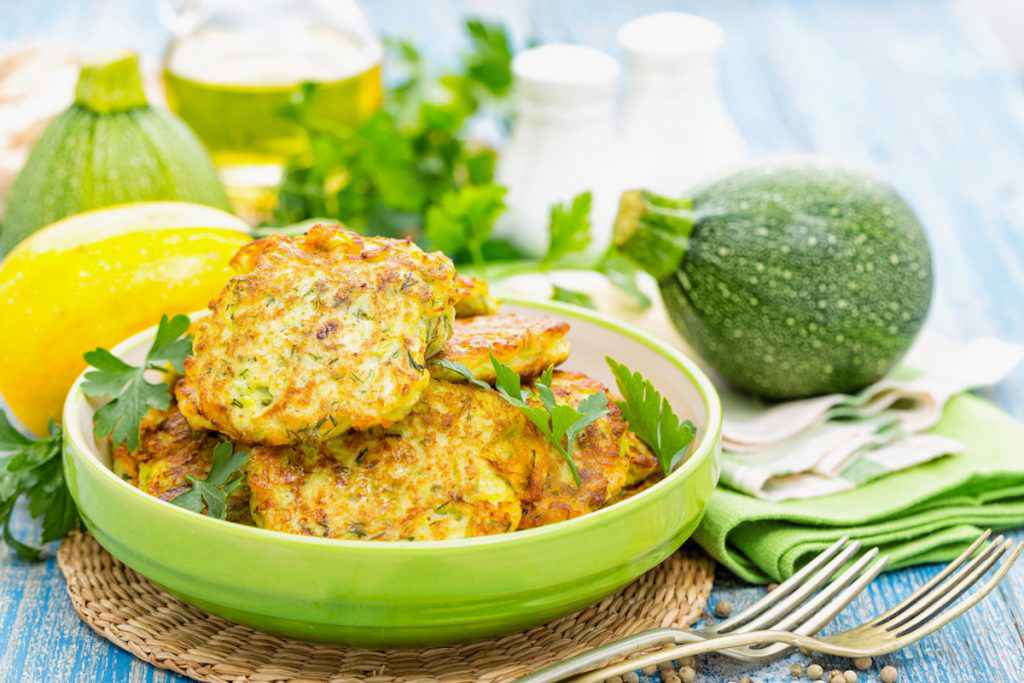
232,67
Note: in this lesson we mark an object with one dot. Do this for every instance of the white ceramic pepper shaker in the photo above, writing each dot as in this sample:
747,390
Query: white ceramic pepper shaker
563,142
675,127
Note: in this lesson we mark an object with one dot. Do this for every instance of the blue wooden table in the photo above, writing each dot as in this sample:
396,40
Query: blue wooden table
919,89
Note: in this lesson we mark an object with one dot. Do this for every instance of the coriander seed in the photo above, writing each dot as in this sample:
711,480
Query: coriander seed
723,608
687,674
850,676
814,672
796,671
862,663
889,674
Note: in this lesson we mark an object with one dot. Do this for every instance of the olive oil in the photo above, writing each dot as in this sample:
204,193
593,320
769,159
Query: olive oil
231,87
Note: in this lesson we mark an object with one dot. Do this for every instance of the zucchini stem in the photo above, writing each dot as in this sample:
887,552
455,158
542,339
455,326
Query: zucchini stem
109,86
654,230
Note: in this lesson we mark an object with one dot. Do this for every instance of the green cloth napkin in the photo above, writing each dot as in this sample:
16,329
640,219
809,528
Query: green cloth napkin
928,513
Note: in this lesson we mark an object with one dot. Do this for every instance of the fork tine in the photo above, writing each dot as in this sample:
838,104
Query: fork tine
785,615
958,584
812,620
942,589
947,570
949,615
784,588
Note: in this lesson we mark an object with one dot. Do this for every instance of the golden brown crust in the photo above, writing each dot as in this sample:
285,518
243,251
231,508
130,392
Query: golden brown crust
316,335
474,297
527,344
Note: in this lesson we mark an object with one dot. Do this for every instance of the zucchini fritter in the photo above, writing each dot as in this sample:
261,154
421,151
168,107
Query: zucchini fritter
421,479
318,334
526,344
474,297
463,463
169,451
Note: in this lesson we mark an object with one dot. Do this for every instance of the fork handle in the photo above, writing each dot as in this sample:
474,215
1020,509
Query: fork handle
624,646
700,647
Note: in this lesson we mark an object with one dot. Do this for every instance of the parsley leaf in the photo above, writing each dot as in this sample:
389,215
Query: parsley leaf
489,62
559,422
568,228
650,416
462,222
463,371
131,394
213,492
33,468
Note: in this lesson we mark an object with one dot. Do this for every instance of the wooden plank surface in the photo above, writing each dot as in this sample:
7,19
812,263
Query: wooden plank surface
918,89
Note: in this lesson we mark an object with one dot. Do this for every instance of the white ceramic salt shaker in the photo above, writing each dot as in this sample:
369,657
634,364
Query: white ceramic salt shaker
563,142
675,128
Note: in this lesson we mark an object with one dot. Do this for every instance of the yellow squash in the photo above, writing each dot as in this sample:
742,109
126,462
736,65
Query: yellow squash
96,278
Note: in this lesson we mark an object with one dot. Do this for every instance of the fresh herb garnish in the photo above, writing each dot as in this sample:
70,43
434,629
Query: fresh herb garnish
461,223
211,494
32,468
568,229
559,422
650,416
131,394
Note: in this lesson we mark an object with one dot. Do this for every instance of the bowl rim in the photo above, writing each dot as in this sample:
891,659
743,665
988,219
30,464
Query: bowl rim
706,448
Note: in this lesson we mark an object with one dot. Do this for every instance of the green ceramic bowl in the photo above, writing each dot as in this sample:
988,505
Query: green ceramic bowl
410,593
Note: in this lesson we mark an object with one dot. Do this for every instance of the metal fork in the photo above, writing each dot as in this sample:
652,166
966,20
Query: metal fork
806,601
920,614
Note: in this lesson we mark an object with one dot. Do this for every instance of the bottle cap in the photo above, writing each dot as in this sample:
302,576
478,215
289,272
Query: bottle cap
662,39
560,74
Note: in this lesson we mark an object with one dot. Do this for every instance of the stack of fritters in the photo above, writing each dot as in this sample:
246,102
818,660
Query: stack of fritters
320,358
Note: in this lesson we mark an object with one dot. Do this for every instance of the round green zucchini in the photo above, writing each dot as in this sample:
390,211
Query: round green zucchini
108,148
792,279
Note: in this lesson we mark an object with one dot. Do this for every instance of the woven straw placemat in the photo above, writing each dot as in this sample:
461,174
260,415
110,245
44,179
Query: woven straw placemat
137,616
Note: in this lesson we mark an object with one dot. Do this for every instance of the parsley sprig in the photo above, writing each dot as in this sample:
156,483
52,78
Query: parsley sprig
32,468
560,423
131,394
651,418
211,494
